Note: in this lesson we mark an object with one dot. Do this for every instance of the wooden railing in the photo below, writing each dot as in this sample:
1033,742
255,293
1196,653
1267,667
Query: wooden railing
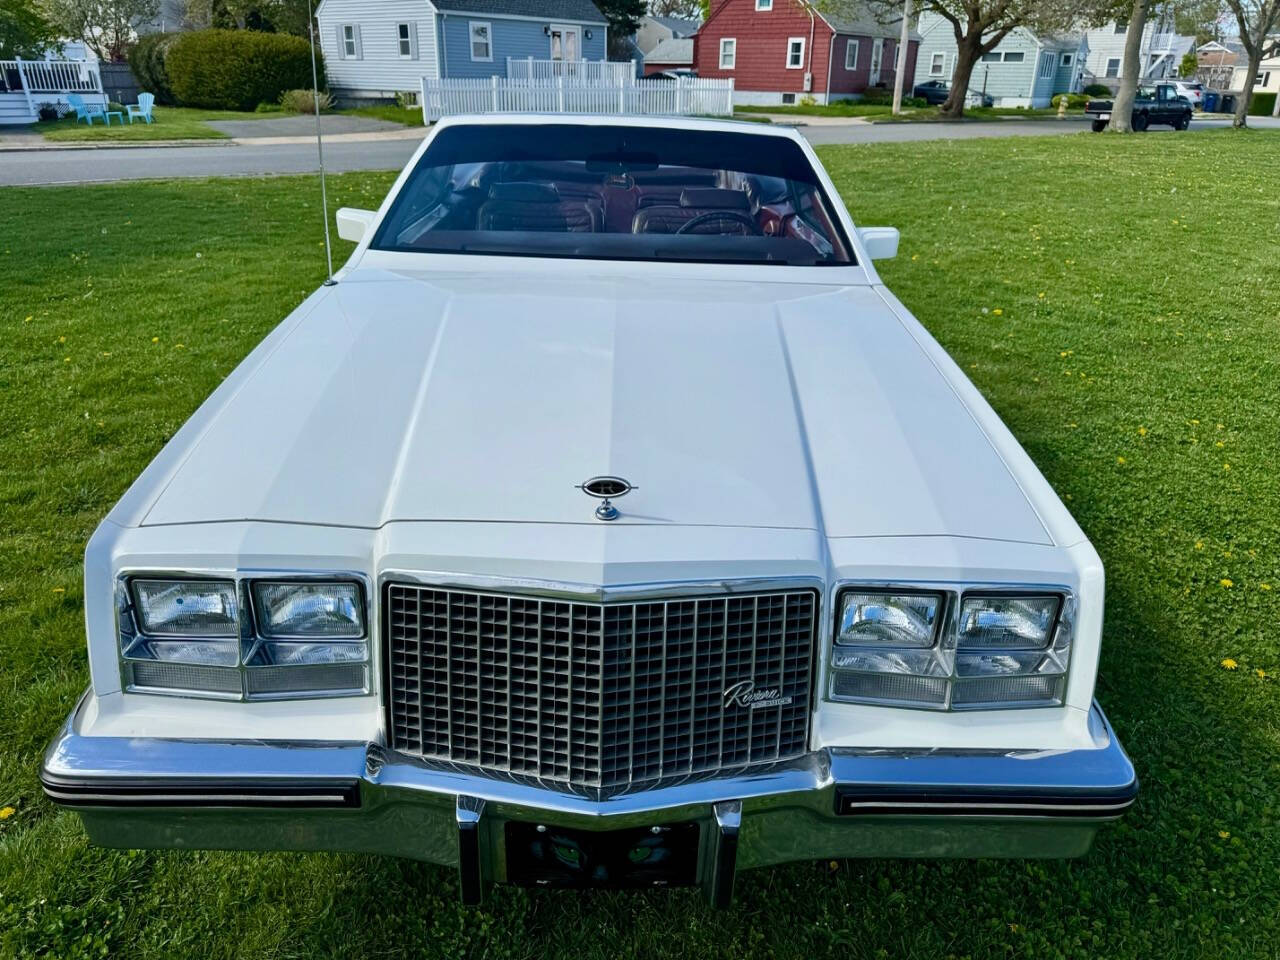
53,76
590,71
685,96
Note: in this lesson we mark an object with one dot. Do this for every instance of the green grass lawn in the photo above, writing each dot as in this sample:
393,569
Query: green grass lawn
171,123
841,108
389,112
1130,337
933,114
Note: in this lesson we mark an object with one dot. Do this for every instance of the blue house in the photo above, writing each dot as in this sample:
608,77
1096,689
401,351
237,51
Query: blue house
376,49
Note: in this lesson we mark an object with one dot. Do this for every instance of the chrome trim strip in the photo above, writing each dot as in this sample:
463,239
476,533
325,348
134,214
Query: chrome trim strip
594,592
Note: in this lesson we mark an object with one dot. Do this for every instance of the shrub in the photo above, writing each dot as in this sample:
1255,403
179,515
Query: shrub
237,69
47,111
1074,100
407,99
268,108
146,60
1097,90
304,101
877,95
1262,104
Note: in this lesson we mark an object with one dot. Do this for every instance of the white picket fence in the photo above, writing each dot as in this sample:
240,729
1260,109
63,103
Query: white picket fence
685,96
586,71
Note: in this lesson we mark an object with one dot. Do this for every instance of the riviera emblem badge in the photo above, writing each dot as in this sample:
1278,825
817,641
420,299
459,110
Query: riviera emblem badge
744,694
606,489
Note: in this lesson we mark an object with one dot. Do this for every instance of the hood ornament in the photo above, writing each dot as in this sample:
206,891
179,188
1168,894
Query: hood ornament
605,489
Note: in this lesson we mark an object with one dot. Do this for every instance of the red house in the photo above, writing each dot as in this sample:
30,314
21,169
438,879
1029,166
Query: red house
781,51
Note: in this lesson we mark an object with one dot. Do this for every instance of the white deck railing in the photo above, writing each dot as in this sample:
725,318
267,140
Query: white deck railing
591,71
29,83
685,96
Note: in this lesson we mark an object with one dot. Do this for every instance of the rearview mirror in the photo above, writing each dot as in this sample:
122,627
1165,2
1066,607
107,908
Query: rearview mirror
354,223
881,243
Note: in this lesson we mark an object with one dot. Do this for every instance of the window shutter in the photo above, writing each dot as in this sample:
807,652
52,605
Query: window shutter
359,45
413,39
342,46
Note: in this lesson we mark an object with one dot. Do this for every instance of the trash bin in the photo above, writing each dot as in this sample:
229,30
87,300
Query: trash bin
1210,102
1228,103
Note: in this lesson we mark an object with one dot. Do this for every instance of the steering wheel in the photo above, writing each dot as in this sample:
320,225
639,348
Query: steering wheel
736,216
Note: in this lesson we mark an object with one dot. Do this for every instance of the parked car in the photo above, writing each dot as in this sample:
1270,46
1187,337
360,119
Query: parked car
607,522
935,93
1192,90
1160,103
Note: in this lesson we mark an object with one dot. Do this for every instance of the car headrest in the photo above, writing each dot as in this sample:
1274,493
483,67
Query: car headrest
714,198
521,192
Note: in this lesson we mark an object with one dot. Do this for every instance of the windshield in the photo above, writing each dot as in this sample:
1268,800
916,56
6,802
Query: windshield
615,192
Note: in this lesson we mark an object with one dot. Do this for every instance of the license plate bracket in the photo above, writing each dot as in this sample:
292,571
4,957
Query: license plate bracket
542,855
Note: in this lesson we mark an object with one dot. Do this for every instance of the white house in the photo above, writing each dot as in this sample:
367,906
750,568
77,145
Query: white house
374,49
654,30
1160,53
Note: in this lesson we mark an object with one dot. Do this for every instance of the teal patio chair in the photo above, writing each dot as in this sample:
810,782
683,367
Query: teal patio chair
142,108
86,111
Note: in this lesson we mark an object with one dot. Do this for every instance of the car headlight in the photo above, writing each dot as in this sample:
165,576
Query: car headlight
206,638
952,650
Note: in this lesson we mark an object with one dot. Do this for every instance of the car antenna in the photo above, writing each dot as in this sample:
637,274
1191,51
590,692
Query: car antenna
324,194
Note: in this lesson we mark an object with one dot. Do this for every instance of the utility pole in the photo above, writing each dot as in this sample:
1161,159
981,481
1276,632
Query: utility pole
904,50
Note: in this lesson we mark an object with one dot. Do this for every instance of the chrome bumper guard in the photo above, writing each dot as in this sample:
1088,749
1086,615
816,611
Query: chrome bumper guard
358,797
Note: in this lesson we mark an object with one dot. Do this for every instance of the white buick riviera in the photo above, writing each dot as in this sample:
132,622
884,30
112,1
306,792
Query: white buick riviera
606,523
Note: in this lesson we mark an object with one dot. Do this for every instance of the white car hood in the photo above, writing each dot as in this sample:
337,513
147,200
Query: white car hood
489,398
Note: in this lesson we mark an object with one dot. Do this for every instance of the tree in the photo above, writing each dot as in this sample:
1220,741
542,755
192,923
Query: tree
1189,65
1255,20
106,26
979,26
1122,105
623,15
1201,19
271,16
24,32
685,9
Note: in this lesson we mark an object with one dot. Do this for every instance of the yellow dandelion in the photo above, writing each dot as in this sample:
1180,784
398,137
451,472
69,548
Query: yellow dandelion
178,346
59,589
1262,674
155,339
66,359
7,812
1229,664
1196,422
1199,544
62,339
1142,431
1224,834
1121,460
1226,583
1219,444
1226,466
1040,295
997,311
1264,586
27,320
915,256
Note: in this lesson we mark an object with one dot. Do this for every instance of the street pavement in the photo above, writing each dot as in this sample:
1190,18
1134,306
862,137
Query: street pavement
286,151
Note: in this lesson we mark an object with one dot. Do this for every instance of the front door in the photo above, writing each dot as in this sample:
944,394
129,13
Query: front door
564,43
877,55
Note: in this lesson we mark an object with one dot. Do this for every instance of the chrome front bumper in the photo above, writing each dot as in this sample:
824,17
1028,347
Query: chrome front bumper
359,797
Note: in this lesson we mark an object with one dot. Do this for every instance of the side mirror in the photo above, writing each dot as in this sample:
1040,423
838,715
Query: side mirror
881,243
353,224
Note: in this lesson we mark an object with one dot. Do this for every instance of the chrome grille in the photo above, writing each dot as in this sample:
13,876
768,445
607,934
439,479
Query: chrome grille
597,695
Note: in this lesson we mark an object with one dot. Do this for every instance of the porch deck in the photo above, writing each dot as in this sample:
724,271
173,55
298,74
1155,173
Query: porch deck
27,84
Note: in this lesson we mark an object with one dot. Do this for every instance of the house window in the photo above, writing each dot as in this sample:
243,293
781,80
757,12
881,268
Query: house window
350,47
1068,59
851,55
795,53
764,5
1014,56
1113,67
1122,27
993,57
481,41
1046,66
404,38
1263,79
728,53
788,98
937,63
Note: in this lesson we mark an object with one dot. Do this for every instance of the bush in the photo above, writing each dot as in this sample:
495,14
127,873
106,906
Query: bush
1262,104
237,69
146,60
1097,90
880,96
47,111
304,101
1074,100
268,108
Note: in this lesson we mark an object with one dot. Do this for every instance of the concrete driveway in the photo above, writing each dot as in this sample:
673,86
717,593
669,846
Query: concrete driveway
271,153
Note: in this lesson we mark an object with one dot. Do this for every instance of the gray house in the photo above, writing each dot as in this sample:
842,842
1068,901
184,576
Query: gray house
1025,70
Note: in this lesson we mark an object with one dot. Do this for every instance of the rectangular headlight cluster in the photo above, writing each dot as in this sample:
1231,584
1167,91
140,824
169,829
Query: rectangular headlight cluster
951,649
243,639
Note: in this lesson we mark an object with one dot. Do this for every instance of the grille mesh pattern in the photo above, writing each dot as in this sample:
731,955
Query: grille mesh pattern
598,695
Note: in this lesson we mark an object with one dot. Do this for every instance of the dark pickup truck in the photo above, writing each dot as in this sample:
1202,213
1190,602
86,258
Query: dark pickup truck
1157,103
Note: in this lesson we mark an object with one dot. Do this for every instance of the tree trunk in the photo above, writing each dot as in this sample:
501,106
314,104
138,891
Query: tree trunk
1122,105
966,57
1241,119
